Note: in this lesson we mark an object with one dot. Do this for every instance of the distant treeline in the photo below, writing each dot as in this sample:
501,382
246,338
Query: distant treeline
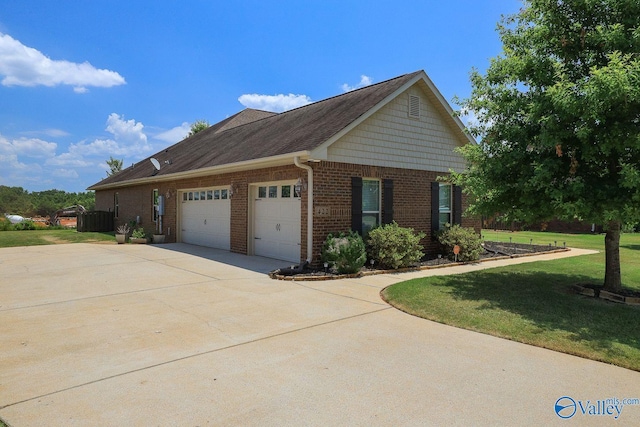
18,201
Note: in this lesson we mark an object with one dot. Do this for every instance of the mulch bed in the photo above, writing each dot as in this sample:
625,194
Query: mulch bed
493,251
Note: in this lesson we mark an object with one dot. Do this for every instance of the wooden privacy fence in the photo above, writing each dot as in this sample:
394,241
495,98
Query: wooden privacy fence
95,221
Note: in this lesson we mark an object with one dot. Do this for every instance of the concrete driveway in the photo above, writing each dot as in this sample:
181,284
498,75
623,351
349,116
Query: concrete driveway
177,335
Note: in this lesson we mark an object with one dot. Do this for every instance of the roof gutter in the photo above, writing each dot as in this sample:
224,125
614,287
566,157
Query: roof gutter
280,160
296,161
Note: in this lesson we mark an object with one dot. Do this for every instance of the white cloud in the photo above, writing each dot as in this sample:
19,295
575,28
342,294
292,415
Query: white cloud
27,147
126,130
274,103
128,140
175,134
53,133
34,147
69,160
364,81
65,173
25,66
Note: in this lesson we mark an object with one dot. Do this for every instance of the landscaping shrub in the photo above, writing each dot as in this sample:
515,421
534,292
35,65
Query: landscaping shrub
345,252
470,243
5,225
392,246
26,224
139,233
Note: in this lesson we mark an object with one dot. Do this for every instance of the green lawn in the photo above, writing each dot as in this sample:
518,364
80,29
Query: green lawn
50,237
533,303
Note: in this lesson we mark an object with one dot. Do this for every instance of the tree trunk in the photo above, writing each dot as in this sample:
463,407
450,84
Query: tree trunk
612,278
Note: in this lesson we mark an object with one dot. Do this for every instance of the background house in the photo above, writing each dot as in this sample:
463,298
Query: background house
276,184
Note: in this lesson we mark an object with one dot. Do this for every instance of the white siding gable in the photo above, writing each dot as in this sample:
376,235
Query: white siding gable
391,138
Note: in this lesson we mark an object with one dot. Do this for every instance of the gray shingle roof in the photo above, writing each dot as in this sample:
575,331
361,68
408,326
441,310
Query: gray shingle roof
253,134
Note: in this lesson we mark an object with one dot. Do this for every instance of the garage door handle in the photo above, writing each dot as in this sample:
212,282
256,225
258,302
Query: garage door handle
258,238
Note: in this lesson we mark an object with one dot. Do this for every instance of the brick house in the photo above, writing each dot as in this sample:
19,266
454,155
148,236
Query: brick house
275,185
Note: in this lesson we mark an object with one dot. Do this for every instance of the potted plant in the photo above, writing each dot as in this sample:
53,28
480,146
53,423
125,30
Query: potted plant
122,232
138,236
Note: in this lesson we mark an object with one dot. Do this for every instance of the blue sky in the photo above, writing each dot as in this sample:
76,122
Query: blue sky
83,81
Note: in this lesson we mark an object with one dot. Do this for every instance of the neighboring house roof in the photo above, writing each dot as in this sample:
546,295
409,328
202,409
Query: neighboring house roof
252,136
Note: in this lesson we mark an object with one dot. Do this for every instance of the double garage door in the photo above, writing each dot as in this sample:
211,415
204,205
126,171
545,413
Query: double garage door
205,219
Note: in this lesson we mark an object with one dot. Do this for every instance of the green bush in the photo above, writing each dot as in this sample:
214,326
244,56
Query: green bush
392,246
139,233
26,224
345,252
5,225
469,241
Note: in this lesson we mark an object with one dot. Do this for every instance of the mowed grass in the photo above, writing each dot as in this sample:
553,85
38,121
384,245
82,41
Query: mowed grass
534,303
51,237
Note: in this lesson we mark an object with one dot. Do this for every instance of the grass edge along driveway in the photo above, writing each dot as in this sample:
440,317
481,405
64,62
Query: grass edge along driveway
534,304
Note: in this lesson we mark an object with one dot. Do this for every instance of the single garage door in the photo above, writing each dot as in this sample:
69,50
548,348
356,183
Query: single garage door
205,217
276,216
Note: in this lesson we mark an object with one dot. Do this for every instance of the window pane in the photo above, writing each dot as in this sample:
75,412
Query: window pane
224,194
369,221
203,195
196,195
370,195
216,194
190,195
286,191
209,195
273,191
445,197
262,192
184,197
444,218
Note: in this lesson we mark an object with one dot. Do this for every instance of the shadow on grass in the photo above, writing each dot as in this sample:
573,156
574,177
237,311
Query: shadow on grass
545,306
632,247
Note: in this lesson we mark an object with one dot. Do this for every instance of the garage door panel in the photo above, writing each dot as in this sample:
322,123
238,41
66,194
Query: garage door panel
206,222
277,224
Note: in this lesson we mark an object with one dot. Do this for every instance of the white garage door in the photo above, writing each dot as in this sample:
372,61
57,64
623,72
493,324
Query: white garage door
276,221
205,218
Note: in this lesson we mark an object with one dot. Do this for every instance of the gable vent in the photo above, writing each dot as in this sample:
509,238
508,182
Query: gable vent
414,106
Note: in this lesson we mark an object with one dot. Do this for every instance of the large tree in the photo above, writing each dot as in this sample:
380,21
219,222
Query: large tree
558,119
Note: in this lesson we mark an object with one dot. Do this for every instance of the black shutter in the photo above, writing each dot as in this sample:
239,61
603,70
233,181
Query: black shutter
457,205
387,209
435,208
356,204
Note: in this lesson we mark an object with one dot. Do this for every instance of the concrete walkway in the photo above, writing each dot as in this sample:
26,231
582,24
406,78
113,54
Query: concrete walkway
178,335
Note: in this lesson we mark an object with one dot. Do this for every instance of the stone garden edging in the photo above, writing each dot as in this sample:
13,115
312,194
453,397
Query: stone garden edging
310,278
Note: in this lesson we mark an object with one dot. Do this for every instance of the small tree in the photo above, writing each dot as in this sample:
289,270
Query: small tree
198,126
115,165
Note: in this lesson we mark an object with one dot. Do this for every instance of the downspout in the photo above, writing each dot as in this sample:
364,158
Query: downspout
296,161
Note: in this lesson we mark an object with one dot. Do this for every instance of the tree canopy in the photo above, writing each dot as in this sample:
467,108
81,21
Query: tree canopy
558,119
198,126
115,165
16,200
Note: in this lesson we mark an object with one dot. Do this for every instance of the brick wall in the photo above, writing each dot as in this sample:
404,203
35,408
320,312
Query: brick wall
411,204
332,200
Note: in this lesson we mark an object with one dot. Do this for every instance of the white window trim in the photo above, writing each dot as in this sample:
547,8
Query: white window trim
379,211
154,201
449,211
